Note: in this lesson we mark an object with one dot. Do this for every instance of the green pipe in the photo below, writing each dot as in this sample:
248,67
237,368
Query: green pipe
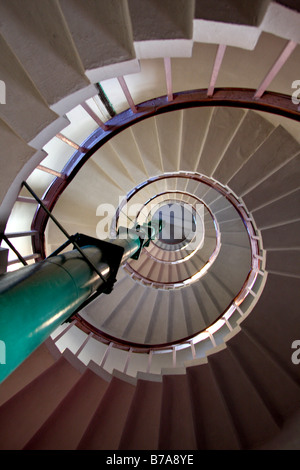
36,299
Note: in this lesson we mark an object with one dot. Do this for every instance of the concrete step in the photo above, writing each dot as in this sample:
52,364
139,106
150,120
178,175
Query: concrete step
281,182
51,53
26,411
275,386
65,427
176,420
241,396
276,150
23,98
251,133
213,423
102,35
141,430
268,323
106,427
218,138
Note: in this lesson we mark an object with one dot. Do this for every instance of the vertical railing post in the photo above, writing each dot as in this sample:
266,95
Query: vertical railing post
217,65
127,360
149,361
168,72
105,355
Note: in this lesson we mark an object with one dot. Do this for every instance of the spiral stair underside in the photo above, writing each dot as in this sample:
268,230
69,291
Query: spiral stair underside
224,381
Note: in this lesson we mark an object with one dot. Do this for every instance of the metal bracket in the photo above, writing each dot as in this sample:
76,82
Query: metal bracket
111,255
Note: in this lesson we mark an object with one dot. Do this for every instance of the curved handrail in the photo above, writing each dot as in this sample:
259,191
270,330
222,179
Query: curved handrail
271,102
234,97
164,193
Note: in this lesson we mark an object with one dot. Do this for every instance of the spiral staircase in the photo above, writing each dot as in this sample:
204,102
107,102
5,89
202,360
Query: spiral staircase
113,109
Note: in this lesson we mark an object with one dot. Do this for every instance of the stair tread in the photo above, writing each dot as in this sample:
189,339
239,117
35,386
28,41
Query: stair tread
213,424
283,236
43,63
105,428
277,148
241,396
91,34
275,386
281,182
65,427
141,429
279,212
269,324
26,411
251,133
25,97
176,423
218,137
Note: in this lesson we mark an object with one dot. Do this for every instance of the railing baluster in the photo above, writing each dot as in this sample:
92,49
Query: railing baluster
149,361
168,72
25,258
193,350
212,338
275,69
94,116
69,142
20,258
228,324
127,94
105,355
239,310
127,360
217,65
50,171
21,234
174,356
26,200
84,344
62,333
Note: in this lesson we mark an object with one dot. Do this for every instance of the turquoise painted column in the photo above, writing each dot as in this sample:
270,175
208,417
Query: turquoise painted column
36,299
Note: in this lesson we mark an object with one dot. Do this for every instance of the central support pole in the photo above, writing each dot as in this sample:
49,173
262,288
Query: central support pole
36,299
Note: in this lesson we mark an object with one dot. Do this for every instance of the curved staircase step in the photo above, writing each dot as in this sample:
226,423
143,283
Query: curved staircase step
251,133
51,53
218,137
66,425
276,150
26,411
176,431
214,427
279,183
105,428
243,400
141,430
269,323
275,386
